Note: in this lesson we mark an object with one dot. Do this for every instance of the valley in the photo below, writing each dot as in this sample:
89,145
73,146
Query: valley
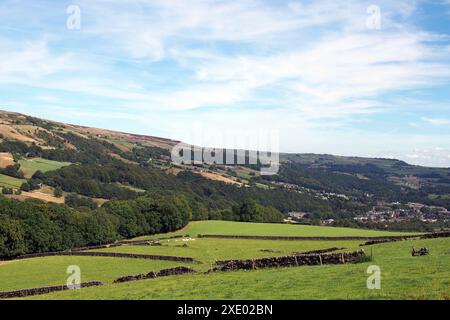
134,212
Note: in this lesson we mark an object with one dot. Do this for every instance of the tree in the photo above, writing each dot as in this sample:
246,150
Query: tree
75,201
30,185
200,212
170,217
13,171
25,187
11,237
249,211
6,190
58,192
99,227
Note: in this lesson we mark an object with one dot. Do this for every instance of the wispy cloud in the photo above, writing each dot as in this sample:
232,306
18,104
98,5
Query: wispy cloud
437,121
308,64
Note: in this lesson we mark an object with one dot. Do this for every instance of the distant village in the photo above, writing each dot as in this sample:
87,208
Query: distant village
397,212
383,212
318,194
386,213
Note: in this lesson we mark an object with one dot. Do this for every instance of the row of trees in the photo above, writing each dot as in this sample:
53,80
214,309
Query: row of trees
107,181
13,171
97,174
31,227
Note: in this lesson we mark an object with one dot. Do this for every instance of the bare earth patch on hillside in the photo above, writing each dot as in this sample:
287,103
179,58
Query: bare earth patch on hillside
100,201
129,137
218,177
6,159
44,194
11,133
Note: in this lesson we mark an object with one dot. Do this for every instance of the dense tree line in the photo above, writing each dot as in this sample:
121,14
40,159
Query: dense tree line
250,211
75,201
13,171
31,227
142,154
106,181
30,185
330,181
97,174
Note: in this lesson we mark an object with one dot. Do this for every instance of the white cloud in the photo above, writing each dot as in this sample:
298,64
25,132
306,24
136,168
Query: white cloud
435,156
437,121
299,66
32,60
339,72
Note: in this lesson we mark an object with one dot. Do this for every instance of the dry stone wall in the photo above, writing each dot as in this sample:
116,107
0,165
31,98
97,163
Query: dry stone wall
444,234
136,277
109,254
434,235
378,241
103,246
151,275
319,251
302,238
290,261
43,290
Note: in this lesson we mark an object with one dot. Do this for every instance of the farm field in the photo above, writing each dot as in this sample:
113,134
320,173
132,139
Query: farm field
210,250
48,271
45,194
30,166
10,182
6,159
403,276
273,229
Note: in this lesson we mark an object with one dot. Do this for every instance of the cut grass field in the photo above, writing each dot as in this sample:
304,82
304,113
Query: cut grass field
48,271
273,229
45,193
30,166
402,276
10,182
210,250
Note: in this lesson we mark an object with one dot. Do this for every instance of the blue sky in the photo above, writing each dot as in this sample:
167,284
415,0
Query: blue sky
313,71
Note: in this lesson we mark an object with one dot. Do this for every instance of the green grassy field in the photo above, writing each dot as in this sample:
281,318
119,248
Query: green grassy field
47,271
402,276
10,182
209,250
30,166
272,229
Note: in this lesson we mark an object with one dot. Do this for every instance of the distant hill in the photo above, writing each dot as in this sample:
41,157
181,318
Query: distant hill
104,165
29,129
